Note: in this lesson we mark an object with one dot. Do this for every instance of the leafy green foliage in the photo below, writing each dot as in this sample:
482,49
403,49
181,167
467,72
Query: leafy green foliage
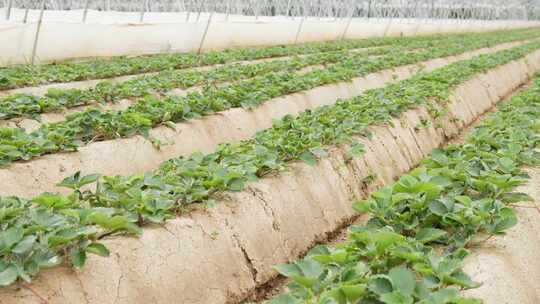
93,125
148,85
412,248
28,75
39,233
187,180
21,104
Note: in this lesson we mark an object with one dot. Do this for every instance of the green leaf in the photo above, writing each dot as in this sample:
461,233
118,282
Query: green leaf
438,208
396,298
98,249
464,200
353,292
507,219
52,200
401,196
310,268
431,281
441,181
8,275
114,223
304,272
362,206
507,164
88,179
403,280
439,156
426,235
58,240
236,184
462,279
170,125
25,245
78,258
356,150
70,181
288,270
384,239
285,299
516,197
318,250
11,237
308,158
304,281
444,296
76,181
380,284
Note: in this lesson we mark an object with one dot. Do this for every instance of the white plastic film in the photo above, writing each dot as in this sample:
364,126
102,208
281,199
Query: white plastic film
62,36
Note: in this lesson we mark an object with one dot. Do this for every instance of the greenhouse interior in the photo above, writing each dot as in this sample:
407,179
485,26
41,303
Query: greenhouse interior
269,151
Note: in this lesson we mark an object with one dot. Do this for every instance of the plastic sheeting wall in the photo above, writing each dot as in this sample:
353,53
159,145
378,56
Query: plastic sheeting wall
59,41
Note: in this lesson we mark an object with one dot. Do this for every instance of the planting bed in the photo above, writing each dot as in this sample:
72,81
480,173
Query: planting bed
280,157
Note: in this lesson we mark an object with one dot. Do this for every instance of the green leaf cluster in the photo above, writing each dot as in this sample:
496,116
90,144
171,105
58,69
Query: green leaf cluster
49,229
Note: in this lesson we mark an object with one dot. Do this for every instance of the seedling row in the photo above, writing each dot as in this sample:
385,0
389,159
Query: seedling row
94,125
27,75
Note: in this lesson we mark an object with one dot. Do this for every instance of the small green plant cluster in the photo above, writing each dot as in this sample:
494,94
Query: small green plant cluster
47,229
29,75
39,233
413,247
93,124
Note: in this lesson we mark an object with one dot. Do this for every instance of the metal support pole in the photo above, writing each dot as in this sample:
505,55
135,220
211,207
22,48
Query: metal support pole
288,8
188,11
352,9
417,27
346,28
228,10
387,27
205,33
418,20
181,6
38,28
439,27
256,10
199,11
8,11
85,12
337,12
25,18
299,30
143,10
